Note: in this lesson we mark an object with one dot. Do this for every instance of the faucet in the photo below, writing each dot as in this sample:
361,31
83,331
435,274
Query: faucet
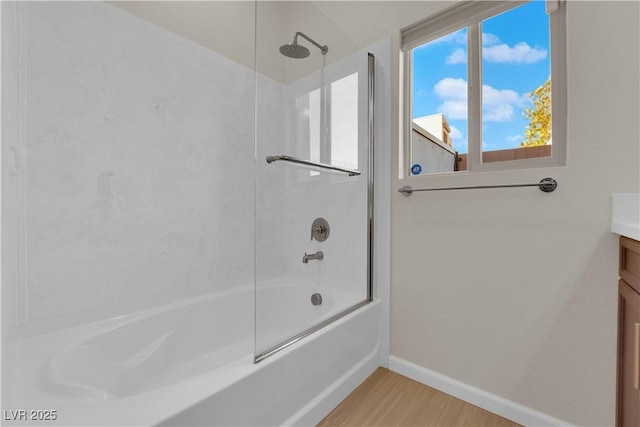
318,255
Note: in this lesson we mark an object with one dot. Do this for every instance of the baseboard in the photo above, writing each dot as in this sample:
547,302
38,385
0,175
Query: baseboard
490,402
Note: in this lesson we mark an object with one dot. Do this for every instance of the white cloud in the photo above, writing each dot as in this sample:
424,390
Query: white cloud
489,39
450,88
514,138
494,51
421,92
492,96
455,133
498,105
459,141
459,56
453,92
455,110
520,53
497,113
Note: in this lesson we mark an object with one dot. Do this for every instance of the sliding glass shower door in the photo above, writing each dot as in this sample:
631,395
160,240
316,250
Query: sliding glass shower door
313,175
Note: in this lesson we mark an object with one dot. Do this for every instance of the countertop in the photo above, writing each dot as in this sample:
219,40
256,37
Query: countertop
625,215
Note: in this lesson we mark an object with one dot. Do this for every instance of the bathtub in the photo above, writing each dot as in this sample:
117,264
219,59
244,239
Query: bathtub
188,363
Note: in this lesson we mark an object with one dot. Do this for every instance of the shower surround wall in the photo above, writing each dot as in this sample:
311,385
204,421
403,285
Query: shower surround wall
140,183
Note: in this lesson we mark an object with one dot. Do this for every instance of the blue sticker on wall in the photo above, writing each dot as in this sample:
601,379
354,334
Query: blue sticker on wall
416,169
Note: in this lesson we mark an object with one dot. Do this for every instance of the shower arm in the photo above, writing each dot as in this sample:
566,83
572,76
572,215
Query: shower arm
324,49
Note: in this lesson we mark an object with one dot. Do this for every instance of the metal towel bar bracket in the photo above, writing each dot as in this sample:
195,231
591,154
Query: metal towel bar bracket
284,157
546,184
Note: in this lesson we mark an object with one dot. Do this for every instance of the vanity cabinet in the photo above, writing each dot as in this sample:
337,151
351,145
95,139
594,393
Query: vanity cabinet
628,375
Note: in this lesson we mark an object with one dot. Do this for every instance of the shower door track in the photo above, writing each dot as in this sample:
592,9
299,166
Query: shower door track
370,181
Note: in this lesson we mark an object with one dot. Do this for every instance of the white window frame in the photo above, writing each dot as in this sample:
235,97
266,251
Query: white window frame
470,14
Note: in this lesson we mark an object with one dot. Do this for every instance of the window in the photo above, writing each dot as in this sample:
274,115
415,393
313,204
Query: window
485,88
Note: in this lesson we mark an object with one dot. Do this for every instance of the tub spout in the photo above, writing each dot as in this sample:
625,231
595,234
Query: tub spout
318,255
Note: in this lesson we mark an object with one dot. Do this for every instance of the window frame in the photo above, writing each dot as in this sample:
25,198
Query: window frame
470,14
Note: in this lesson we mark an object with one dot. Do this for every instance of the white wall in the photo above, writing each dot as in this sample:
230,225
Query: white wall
226,27
514,291
140,174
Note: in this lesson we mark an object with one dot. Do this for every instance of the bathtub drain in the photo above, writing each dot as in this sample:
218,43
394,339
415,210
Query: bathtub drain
316,299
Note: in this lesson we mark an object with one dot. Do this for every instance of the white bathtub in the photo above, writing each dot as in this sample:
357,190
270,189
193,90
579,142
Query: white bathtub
191,363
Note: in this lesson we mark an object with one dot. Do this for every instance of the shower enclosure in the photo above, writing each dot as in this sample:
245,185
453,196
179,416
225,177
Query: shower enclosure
314,176
179,203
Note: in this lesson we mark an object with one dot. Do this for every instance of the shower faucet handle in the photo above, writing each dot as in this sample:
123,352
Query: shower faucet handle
320,230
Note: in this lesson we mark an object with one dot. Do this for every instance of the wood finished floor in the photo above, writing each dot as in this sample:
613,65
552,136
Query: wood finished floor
390,399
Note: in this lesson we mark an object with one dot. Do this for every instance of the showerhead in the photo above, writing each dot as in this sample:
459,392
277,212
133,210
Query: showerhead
294,50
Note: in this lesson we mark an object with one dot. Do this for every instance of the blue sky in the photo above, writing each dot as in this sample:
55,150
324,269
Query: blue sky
515,61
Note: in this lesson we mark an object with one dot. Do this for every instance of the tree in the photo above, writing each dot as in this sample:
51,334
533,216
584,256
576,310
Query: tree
538,131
